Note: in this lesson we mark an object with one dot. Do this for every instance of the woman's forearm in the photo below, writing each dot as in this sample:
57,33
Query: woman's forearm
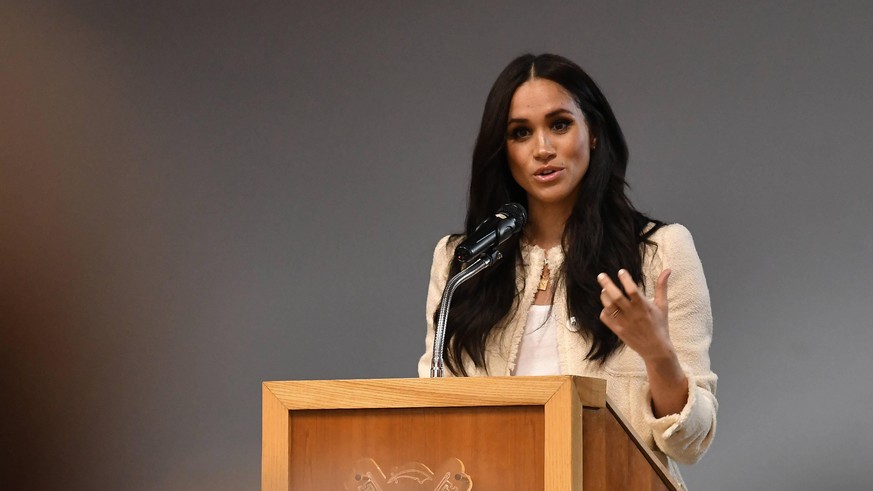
668,385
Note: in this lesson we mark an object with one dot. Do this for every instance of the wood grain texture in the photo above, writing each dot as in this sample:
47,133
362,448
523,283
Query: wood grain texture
595,449
590,391
651,460
525,433
563,446
501,447
612,459
427,392
274,442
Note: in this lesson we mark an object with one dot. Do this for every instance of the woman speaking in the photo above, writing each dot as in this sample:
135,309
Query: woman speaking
591,286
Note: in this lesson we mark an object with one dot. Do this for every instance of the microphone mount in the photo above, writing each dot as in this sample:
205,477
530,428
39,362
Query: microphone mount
485,260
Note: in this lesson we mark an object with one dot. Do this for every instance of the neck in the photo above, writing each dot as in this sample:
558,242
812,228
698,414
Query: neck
546,223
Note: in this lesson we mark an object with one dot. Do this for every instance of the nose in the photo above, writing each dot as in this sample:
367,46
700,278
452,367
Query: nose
544,150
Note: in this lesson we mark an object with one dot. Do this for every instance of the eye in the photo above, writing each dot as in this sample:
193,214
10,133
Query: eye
518,133
561,125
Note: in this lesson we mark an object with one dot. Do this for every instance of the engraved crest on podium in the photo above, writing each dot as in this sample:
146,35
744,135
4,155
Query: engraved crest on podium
414,476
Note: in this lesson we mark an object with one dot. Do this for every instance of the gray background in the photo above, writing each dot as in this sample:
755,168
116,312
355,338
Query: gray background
198,196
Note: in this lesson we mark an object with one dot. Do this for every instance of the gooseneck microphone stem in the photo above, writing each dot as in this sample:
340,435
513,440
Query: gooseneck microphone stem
439,338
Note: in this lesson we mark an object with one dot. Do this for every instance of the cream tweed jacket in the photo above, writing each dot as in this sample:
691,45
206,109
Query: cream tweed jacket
682,437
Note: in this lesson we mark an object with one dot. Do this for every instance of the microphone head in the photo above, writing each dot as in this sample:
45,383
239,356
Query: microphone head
508,221
515,211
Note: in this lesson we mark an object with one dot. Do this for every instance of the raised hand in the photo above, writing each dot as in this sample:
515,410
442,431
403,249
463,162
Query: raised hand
642,325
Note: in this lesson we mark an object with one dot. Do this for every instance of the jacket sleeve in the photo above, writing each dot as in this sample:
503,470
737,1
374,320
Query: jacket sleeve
686,436
439,273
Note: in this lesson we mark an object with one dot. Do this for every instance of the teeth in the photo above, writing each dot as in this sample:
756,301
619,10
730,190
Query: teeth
546,172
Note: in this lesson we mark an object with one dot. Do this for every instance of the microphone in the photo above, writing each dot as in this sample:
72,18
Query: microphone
481,245
508,221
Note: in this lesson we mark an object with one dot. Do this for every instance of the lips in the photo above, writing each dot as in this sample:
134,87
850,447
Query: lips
548,173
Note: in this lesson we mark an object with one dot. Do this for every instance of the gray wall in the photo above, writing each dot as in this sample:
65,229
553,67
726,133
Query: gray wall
198,196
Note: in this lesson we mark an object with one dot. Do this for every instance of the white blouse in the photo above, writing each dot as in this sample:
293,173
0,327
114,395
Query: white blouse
538,352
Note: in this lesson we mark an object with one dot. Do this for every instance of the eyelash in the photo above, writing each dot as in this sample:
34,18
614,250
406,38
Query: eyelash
516,133
566,122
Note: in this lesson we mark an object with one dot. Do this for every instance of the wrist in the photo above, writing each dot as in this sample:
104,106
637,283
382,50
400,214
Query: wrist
664,361
661,354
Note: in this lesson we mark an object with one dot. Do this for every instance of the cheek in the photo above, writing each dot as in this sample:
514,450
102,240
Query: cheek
582,148
582,154
515,166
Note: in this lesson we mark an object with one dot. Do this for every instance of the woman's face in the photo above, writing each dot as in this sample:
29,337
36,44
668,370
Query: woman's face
547,143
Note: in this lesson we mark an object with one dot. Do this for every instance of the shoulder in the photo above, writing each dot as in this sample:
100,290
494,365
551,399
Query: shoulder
671,241
672,246
439,270
672,234
444,252
445,247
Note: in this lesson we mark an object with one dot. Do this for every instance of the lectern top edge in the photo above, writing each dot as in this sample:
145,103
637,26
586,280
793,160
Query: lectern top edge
424,392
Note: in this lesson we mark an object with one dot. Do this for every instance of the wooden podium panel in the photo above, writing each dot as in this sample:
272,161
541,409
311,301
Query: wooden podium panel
478,436
614,461
489,433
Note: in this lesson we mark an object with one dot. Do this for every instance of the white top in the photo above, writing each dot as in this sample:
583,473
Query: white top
538,352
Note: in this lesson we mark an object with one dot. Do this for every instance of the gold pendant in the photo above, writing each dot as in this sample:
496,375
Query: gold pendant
544,281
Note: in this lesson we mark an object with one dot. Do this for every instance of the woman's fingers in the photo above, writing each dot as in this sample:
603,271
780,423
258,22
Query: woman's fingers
630,288
611,295
639,322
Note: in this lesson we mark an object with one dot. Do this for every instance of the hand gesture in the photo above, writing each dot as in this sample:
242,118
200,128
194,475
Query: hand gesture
640,323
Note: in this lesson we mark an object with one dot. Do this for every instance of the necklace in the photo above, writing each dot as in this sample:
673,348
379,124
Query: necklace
545,278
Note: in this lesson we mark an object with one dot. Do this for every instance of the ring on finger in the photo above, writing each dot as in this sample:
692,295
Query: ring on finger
615,312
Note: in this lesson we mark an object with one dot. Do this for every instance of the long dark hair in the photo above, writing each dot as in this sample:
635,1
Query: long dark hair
603,233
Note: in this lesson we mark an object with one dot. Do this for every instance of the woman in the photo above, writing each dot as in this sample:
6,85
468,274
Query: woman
592,286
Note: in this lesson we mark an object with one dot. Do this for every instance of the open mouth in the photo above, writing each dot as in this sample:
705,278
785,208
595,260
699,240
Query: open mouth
548,173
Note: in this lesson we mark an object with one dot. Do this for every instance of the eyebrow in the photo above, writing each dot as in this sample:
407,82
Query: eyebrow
549,115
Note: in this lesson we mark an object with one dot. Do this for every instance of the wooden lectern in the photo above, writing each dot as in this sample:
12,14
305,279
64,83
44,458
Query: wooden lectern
441,434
